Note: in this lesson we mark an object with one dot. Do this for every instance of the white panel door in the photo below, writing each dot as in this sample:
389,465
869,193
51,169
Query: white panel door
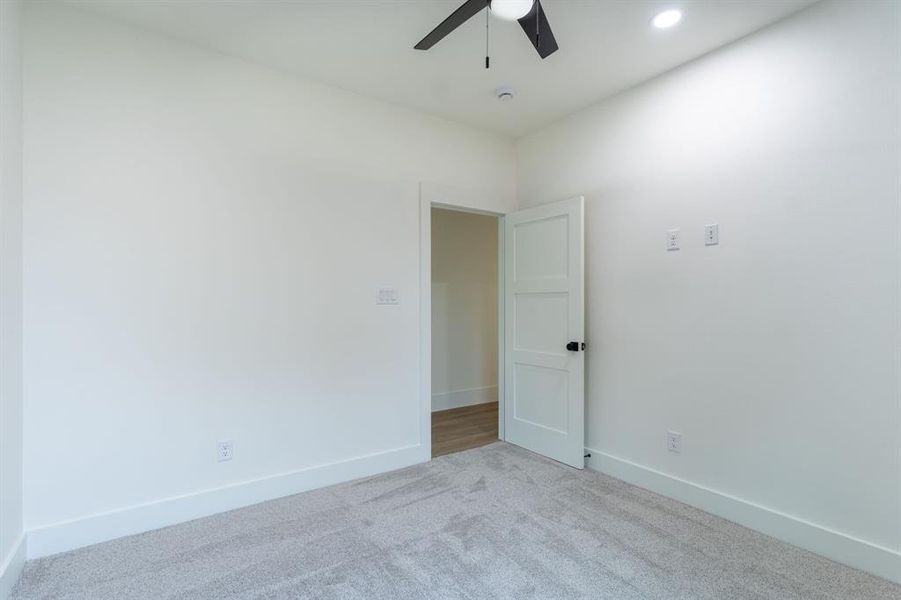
544,283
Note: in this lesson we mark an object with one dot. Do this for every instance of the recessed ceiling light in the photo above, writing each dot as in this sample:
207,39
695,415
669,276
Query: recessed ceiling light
667,18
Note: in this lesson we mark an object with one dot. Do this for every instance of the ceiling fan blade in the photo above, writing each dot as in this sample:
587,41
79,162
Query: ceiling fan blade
469,9
538,30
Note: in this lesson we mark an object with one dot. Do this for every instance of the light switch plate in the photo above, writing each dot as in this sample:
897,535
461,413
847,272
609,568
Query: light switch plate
387,295
712,234
672,239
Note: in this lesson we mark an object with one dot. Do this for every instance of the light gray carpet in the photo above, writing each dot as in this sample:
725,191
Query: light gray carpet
494,522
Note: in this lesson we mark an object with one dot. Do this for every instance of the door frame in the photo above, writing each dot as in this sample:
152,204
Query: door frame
425,316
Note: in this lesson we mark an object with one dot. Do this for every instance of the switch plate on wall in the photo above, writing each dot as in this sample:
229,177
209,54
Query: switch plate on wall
712,234
387,295
672,239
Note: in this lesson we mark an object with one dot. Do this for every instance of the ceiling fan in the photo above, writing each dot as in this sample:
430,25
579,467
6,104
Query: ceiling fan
528,13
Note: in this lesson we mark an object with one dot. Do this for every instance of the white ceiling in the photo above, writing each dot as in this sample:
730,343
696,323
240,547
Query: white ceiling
367,46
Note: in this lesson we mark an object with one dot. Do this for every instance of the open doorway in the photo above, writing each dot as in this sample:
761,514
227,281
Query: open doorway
464,315
540,331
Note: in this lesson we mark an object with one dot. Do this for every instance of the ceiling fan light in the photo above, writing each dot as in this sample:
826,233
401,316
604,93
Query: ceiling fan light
511,10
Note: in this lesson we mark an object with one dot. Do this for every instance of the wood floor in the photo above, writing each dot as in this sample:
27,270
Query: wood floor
463,428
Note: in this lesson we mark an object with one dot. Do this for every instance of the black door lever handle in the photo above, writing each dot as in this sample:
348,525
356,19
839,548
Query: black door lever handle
575,346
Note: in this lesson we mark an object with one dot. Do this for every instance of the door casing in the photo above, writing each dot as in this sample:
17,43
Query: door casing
425,318
425,343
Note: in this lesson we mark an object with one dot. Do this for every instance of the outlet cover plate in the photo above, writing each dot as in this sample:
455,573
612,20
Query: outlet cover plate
674,442
711,234
225,450
672,239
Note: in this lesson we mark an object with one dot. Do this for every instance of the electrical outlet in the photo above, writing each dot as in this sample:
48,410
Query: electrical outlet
226,450
711,234
672,239
674,442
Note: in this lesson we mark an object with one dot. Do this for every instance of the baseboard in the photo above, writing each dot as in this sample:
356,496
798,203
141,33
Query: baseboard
68,535
837,546
460,398
11,567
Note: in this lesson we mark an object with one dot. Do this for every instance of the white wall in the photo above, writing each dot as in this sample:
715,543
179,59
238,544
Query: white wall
12,547
776,353
464,309
203,242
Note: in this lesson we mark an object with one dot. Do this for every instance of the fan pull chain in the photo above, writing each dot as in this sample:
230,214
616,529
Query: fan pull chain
487,22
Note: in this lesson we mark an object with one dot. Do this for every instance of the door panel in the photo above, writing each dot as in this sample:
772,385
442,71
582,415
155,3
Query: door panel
543,320
544,306
535,385
541,249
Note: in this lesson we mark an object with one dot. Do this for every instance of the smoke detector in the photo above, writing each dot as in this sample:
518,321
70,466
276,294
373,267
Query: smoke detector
505,93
